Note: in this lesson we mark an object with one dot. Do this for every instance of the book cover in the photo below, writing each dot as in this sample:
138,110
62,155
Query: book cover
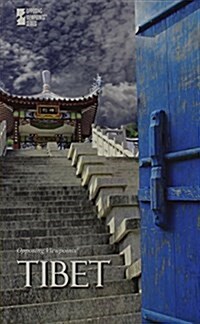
65,254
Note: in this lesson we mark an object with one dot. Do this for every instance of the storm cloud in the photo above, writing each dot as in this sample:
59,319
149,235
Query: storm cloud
77,40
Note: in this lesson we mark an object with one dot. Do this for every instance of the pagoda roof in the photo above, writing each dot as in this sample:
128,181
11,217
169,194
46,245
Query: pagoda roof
48,96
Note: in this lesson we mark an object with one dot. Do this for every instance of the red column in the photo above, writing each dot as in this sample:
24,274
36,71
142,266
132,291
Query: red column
16,142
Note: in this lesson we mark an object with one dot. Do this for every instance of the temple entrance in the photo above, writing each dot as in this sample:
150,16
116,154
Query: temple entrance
32,141
46,116
32,137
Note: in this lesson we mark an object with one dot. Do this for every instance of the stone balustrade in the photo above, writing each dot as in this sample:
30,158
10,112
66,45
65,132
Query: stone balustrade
112,184
113,142
3,138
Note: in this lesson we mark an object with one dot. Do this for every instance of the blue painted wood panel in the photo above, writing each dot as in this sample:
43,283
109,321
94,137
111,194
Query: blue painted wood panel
168,76
149,9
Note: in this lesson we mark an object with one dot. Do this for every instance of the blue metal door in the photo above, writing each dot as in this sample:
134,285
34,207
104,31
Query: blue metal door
168,79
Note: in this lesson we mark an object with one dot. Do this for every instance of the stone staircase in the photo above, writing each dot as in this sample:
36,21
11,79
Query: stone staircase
45,215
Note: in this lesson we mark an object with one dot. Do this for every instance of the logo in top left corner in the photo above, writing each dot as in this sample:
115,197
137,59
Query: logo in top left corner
21,16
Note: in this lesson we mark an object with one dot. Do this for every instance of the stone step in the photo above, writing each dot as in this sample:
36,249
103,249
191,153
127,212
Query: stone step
40,182
42,232
29,170
34,162
35,204
54,241
29,174
59,198
47,193
78,251
40,295
8,266
131,318
11,202
55,186
35,169
40,189
49,216
13,156
34,165
17,278
43,197
67,310
24,173
49,224
26,151
46,215
44,210
37,160
43,177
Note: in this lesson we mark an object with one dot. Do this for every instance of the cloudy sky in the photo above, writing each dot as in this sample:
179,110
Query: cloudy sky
78,39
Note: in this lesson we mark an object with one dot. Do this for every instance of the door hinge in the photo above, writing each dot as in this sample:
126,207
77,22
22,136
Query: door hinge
157,136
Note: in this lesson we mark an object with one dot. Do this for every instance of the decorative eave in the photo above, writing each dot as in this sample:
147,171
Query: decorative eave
11,100
49,97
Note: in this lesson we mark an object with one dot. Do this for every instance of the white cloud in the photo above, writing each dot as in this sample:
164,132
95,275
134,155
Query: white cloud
117,105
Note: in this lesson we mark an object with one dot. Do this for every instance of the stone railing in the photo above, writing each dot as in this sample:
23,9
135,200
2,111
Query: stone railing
2,138
112,184
132,145
113,142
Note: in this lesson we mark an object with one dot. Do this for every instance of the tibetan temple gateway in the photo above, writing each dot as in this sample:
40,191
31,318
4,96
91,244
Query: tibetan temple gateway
38,119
